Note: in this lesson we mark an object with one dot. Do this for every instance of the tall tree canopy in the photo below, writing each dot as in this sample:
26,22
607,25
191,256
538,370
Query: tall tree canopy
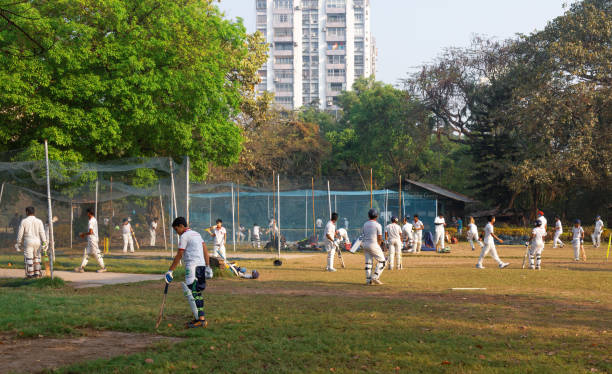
122,78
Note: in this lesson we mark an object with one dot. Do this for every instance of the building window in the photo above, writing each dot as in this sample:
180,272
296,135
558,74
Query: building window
262,4
359,47
283,46
359,30
285,32
336,31
283,60
336,46
284,100
335,87
358,17
336,18
283,18
283,4
358,73
359,60
336,72
283,73
336,3
336,59
310,4
284,87
261,19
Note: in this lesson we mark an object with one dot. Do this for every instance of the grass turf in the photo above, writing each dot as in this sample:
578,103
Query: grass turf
297,318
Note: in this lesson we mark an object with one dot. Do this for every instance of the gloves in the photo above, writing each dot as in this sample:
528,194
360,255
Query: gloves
526,244
208,272
168,276
17,247
44,247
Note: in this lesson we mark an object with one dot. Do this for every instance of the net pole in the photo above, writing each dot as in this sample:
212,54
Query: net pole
329,200
71,219
278,211
306,216
336,203
187,190
314,227
400,198
161,210
370,188
233,224
50,211
111,202
238,208
209,212
174,210
273,194
386,206
96,204
1,191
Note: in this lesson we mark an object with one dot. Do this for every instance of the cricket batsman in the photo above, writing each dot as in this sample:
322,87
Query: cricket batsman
32,234
371,242
92,244
192,249
393,233
330,241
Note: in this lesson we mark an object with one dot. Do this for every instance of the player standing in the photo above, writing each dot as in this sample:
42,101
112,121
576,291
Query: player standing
489,245
393,234
330,245
596,236
126,234
440,224
256,236
152,232
32,233
371,242
219,235
577,239
92,244
472,234
558,232
537,245
418,233
407,234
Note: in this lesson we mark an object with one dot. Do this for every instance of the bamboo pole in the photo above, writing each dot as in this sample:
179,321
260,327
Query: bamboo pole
187,190
233,222
400,198
278,234
329,200
370,188
314,226
50,211
273,195
71,219
306,219
96,204
161,209
238,209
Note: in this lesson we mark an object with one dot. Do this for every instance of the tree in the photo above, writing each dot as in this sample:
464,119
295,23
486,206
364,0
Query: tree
124,78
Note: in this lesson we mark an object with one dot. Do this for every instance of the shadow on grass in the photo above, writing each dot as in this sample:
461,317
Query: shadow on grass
45,282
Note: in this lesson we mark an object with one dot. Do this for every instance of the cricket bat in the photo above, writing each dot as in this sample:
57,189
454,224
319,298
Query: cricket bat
340,255
135,240
161,310
355,246
526,254
46,265
582,253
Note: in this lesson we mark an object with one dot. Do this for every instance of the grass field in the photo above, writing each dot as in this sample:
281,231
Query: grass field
299,319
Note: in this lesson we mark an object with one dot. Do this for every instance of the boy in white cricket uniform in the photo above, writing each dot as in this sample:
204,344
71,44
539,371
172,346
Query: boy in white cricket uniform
489,245
407,233
596,236
537,245
92,244
32,233
342,236
219,239
330,245
393,233
418,233
543,220
440,224
558,232
152,232
577,239
256,235
371,241
472,234
126,234
192,249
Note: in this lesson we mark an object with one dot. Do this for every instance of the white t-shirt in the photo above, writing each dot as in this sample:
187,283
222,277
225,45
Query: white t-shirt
538,235
559,227
577,233
343,234
473,229
439,223
31,228
599,226
126,228
416,226
407,230
544,221
256,231
370,231
488,233
153,225
330,229
93,225
319,222
219,237
191,242
394,231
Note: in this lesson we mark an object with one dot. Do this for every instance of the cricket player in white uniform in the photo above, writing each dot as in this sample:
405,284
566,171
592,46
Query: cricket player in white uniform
418,234
31,234
543,220
219,235
92,244
256,236
192,250
472,234
558,231
393,234
330,241
152,232
536,246
577,239
126,234
342,236
596,236
489,245
407,233
371,241
440,224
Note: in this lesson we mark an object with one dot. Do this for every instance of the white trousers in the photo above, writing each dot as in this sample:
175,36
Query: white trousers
31,257
535,252
576,245
557,240
489,247
439,238
395,252
152,237
92,249
330,247
256,241
128,240
373,252
418,240
471,237
219,250
596,238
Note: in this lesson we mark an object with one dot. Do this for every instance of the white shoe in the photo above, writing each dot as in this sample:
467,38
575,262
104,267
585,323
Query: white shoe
330,269
368,282
478,266
377,282
103,270
532,267
79,270
504,265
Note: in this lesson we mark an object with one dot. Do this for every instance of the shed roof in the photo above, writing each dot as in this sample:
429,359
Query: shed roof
442,191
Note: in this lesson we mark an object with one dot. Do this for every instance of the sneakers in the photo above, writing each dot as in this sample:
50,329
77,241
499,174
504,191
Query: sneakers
197,323
532,267
103,270
504,265
330,269
377,282
478,266
538,267
368,282
79,270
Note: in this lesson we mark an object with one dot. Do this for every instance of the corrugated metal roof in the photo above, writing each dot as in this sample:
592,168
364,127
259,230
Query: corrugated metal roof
442,191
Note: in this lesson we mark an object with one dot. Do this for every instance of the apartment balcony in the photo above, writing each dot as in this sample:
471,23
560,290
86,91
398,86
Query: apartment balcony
335,79
335,38
283,52
283,66
336,52
282,11
335,10
283,93
335,66
335,24
283,80
287,24
283,38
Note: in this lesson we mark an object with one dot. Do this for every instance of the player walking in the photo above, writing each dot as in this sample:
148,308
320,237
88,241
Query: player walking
558,232
577,239
418,234
219,235
126,234
489,245
537,245
596,236
472,234
192,249
31,233
152,232
407,234
330,245
440,224
92,244
371,242
393,234
256,236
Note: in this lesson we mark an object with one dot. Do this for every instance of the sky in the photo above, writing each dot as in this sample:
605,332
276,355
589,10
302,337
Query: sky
410,33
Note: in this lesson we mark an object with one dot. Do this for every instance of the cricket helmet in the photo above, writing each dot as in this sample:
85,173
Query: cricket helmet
278,262
577,221
372,213
394,219
254,274
538,223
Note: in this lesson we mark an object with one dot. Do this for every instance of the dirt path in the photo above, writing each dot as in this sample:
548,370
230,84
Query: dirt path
36,355
88,279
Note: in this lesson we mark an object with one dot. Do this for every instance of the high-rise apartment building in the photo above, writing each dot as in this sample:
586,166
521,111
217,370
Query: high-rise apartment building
318,48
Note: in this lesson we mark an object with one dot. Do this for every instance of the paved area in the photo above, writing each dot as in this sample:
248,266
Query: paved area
88,279
231,255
